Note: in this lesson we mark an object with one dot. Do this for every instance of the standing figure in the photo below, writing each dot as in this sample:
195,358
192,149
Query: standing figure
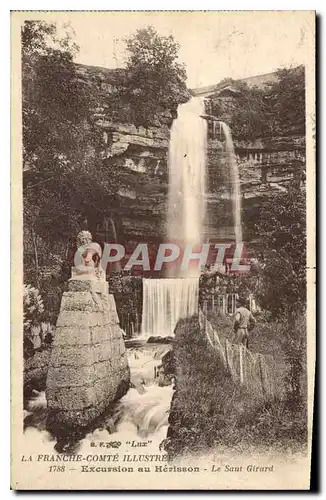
244,322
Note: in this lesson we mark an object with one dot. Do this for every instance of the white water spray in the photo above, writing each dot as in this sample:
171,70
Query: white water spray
235,181
138,415
165,301
187,174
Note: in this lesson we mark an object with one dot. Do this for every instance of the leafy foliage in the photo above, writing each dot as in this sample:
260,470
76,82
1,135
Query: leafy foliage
52,101
294,345
286,99
155,80
56,136
280,287
281,226
33,305
275,109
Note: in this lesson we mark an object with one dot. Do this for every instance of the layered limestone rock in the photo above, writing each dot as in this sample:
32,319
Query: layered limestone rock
139,154
88,367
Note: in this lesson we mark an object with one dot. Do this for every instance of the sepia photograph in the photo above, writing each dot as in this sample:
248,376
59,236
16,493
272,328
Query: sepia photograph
163,250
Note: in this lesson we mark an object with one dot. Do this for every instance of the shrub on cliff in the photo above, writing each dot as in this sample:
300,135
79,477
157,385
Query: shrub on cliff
155,80
280,225
275,109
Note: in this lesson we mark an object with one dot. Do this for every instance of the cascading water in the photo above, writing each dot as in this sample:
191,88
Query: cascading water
235,180
165,301
187,174
141,414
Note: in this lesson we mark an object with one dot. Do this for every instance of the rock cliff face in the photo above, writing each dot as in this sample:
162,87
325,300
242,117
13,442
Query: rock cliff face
139,156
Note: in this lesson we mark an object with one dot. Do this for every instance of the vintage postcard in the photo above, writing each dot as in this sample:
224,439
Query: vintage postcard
163,250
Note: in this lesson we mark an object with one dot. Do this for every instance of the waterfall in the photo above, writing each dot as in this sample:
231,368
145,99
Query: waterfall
235,180
165,301
187,174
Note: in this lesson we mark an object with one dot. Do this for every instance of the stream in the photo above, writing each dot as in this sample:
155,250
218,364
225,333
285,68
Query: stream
141,414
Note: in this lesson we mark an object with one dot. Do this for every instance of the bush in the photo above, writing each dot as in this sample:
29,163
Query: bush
32,305
277,109
38,332
155,81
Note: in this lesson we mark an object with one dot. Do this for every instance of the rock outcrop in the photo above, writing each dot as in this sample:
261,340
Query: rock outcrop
266,165
88,367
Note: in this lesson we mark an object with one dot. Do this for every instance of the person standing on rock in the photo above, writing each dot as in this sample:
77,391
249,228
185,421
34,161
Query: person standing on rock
244,322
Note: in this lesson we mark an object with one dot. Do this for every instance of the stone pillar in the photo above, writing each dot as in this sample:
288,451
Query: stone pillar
88,367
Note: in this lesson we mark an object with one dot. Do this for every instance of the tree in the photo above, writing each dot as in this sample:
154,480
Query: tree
286,100
276,109
62,168
250,116
60,164
53,105
281,226
280,287
282,290
155,81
